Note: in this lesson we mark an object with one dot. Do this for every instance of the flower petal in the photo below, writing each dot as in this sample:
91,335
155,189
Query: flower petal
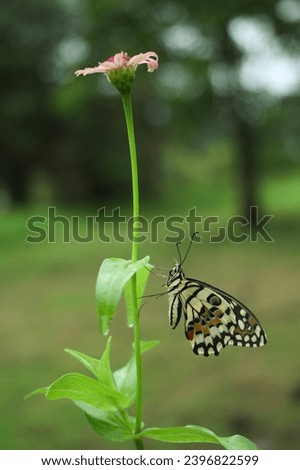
104,67
87,71
149,58
120,59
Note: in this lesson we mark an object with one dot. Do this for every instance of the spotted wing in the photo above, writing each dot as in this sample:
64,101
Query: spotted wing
215,319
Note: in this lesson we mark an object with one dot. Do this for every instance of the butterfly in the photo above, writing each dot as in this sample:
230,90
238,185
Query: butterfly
213,318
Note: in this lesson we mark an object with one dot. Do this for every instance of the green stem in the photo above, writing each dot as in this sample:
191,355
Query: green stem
134,257
134,172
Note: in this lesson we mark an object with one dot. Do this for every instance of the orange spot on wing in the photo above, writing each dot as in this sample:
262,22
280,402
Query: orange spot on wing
190,335
205,330
214,322
218,313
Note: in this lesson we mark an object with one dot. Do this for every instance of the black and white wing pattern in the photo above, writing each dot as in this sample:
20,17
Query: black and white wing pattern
213,318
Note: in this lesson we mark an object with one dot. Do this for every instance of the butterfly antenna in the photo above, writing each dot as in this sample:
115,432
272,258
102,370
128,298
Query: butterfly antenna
179,254
188,250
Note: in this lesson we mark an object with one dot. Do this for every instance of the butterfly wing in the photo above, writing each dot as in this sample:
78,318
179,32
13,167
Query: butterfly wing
214,319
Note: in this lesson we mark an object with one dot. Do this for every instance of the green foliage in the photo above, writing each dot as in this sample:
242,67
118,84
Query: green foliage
125,378
105,399
188,434
141,280
78,387
113,276
100,368
112,426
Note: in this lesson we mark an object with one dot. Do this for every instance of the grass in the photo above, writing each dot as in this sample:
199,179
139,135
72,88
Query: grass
47,304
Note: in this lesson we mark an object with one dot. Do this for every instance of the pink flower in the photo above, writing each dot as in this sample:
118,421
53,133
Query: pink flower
120,69
122,61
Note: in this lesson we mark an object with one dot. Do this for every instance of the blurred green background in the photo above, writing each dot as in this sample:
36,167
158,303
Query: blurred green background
217,129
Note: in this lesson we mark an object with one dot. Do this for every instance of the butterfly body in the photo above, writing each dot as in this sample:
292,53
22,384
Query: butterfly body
213,318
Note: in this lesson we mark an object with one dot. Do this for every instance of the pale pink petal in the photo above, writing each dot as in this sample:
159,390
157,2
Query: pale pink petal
149,58
88,71
106,66
120,59
152,65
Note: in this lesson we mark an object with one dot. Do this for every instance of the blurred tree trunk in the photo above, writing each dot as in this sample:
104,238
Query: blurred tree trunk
16,179
247,147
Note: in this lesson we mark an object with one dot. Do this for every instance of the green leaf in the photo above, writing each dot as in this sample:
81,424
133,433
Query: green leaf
87,390
125,378
99,367
237,442
91,410
110,425
111,428
37,391
105,374
147,345
141,281
188,434
113,275
90,363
